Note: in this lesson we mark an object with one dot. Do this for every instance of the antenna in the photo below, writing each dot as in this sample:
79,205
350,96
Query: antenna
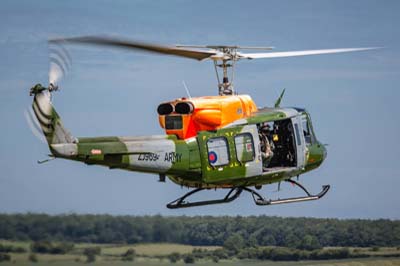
186,88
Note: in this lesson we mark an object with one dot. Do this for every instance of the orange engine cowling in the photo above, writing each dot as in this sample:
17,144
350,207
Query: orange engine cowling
185,117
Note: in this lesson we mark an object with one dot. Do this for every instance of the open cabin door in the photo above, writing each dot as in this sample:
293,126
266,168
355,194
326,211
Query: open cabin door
230,153
300,142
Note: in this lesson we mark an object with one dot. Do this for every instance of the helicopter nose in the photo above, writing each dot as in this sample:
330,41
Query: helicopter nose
325,152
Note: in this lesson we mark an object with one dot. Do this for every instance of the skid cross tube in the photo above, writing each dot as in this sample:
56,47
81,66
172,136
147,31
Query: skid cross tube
181,203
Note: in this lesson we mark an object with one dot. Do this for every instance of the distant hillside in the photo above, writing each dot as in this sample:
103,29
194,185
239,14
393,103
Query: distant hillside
301,233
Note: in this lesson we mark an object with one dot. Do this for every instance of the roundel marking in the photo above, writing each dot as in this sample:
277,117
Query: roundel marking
212,157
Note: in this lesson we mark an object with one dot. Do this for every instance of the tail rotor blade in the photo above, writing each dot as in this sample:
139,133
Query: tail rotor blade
60,62
31,124
56,71
59,50
34,119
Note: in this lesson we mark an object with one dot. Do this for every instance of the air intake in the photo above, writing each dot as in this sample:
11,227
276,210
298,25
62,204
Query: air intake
165,109
184,108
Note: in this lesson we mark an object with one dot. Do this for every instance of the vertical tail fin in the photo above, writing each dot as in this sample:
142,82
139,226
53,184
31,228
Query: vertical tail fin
50,122
59,139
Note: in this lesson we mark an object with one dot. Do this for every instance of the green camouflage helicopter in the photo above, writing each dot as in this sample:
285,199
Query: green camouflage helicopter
211,142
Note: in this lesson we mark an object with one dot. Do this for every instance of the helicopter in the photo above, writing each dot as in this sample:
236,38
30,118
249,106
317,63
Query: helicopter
211,142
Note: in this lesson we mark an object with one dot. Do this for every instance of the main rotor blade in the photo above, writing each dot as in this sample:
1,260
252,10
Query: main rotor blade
220,47
129,44
302,53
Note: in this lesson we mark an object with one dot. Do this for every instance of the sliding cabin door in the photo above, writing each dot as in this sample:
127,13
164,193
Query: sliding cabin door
230,154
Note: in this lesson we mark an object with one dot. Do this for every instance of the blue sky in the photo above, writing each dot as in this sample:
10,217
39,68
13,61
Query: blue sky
352,98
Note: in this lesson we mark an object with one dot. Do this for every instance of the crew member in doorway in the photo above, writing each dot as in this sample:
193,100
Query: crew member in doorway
266,145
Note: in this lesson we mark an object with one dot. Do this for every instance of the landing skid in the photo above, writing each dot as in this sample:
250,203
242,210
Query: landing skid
261,201
235,192
181,203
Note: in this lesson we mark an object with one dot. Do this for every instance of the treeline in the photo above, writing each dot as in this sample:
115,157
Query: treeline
296,233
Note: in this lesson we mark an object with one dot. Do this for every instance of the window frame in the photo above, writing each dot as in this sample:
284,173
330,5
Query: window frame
313,139
252,144
227,150
297,133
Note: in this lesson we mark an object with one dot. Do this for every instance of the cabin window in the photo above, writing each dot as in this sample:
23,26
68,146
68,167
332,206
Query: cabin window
244,147
173,122
218,154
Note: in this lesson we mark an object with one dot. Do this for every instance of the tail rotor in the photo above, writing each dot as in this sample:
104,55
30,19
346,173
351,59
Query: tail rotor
41,117
33,125
59,64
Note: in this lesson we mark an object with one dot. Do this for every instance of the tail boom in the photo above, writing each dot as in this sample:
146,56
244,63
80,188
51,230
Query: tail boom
150,154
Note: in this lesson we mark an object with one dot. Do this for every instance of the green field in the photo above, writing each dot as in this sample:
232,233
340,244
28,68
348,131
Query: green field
62,260
155,254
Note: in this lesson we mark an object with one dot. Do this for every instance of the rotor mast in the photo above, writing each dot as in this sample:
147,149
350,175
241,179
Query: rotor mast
225,58
227,61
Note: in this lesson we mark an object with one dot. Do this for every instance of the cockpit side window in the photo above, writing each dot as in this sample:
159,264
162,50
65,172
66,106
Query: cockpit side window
308,135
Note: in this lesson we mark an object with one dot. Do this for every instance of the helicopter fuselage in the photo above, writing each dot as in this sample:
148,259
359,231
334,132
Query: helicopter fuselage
230,156
265,146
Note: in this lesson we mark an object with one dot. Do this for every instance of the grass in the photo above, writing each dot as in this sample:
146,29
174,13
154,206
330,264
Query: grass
380,251
118,249
63,260
153,249
24,244
147,253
